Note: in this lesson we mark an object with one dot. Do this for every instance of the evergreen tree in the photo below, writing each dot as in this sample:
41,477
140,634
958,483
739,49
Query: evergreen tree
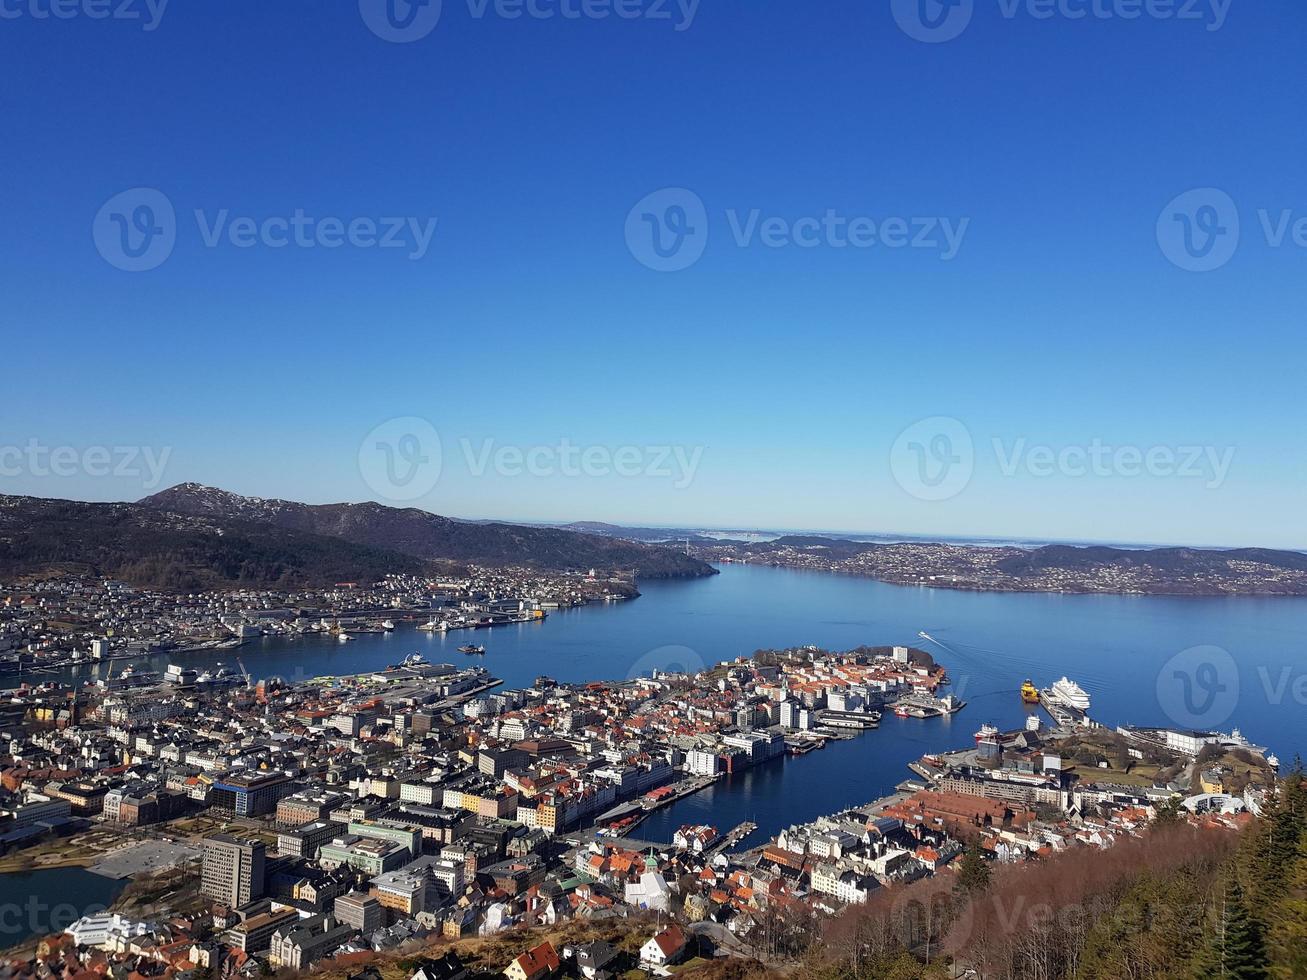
1236,948
1271,848
1169,814
973,874
1288,939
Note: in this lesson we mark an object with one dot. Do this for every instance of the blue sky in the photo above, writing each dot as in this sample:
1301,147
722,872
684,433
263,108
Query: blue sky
528,323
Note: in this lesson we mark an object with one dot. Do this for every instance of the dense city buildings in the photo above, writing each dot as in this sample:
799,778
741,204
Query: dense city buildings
329,817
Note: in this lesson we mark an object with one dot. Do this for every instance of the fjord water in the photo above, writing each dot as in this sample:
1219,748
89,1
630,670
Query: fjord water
1114,646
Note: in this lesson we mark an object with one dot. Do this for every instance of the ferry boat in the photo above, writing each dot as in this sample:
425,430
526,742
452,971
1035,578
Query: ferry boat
1069,693
1029,693
472,650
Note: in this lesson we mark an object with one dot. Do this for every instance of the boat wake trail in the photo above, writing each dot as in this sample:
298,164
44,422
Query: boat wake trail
981,659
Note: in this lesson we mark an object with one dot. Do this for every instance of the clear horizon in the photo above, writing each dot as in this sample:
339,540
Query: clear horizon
965,538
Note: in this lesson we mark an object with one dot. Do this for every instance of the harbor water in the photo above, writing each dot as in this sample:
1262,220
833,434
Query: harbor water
1116,647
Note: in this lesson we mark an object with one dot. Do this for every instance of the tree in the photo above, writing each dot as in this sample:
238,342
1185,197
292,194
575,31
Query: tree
1288,933
973,874
1168,814
1236,948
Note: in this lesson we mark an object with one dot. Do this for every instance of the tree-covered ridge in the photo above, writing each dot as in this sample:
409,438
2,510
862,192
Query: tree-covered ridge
1180,902
168,551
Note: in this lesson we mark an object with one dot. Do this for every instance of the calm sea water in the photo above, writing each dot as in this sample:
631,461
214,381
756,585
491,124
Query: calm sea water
1244,657
37,903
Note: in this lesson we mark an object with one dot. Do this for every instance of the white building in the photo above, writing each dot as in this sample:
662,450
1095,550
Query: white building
699,762
98,930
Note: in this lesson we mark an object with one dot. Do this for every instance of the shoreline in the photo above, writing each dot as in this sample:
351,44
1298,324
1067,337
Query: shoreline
992,590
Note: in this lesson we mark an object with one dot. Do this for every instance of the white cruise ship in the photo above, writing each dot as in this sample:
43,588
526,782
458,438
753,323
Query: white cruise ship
1071,694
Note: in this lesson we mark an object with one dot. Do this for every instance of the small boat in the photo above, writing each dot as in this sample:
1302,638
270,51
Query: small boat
387,625
472,650
343,637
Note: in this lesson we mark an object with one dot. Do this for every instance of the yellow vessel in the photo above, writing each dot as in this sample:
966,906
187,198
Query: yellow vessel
1029,693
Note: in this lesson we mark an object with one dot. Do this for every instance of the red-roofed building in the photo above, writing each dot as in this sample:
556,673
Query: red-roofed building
534,964
665,948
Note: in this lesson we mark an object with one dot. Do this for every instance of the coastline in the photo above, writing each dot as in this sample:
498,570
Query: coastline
1016,589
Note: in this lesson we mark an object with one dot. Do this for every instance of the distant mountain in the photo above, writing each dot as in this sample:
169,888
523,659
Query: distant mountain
423,535
158,549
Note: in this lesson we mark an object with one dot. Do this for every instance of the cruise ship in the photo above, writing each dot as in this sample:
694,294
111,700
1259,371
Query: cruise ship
1069,693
